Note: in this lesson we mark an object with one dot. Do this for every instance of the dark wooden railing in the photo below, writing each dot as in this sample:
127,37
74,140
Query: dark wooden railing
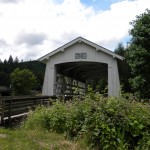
11,107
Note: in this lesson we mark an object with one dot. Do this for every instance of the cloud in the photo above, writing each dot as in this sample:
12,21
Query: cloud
31,39
35,27
31,54
3,43
64,37
9,1
5,49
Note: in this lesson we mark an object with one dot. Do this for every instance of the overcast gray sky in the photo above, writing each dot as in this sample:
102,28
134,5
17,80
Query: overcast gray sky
30,29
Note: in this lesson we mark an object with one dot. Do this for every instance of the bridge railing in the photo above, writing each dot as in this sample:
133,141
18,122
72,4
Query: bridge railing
13,106
66,89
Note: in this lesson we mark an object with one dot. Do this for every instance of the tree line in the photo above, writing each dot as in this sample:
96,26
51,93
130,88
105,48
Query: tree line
8,66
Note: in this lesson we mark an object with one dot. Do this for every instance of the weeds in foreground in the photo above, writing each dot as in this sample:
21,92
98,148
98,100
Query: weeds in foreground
21,139
102,123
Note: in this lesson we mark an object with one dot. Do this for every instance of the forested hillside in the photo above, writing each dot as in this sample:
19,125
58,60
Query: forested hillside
7,66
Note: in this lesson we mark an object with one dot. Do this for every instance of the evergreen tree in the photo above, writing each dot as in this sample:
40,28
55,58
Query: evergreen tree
139,55
7,68
5,61
4,79
120,50
10,60
124,70
1,61
16,60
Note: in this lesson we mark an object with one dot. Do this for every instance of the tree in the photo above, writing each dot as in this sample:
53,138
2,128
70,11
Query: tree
16,60
120,50
4,79
139,55
1,61
124,70
10,60
5,61
22,81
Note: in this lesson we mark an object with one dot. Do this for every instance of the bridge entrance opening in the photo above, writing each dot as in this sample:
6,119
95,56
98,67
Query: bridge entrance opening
77,64
78,75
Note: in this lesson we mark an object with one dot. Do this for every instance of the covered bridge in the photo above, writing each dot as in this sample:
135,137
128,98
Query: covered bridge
77,62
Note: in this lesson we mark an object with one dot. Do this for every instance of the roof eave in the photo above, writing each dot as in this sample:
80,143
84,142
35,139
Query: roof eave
79,39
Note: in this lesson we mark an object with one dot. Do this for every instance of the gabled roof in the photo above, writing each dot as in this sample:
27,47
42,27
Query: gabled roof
80,39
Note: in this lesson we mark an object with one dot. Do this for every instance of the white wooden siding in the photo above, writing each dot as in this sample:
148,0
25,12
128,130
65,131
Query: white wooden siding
93,55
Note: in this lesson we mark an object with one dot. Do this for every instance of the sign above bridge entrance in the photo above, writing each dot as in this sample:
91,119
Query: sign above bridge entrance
80,55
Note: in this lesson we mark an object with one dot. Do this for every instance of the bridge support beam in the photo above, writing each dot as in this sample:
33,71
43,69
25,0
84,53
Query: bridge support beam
113,79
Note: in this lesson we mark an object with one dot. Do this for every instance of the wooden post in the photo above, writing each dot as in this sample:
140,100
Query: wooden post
9,115
113,79
34,104
43,101
3,111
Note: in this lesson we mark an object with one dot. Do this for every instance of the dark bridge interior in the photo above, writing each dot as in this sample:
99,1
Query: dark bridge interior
82,71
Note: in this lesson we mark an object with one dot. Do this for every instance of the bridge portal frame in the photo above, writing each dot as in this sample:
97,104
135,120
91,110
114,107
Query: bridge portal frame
81,51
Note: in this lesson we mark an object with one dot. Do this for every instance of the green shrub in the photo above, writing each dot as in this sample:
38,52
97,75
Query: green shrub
104,123
75,119
22,81
51,118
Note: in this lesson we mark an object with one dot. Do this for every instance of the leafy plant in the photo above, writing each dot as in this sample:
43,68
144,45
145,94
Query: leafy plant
22,81
138,55
103,123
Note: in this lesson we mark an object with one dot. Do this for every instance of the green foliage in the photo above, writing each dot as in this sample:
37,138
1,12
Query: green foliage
120,50
4,78
22,81
139,55
103,123
124,69
7,66
52,118
99,85
10,60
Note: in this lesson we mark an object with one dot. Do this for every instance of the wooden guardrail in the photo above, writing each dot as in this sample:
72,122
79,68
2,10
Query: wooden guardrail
14,106
66,89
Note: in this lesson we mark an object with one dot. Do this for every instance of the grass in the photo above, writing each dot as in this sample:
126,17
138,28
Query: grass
22,139
94,122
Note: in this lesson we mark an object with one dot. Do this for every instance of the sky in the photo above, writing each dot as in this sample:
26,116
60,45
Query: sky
30,29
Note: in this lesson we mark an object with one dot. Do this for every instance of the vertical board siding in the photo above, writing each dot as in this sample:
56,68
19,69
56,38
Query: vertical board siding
93,55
